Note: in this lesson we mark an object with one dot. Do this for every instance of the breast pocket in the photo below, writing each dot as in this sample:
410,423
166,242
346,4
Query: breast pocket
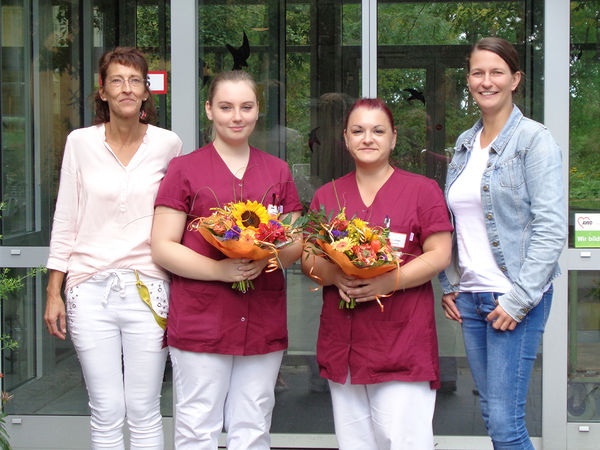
510,173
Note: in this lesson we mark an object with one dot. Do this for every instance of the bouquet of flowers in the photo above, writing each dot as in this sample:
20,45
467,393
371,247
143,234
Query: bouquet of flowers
245,230
360,250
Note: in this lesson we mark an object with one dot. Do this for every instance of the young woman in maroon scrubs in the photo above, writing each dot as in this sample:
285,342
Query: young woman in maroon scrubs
226,346
382,366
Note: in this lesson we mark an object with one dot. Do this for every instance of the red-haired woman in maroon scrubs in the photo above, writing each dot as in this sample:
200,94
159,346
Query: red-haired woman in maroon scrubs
382,366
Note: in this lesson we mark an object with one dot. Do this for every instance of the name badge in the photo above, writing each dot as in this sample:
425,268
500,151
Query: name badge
274,210
398,240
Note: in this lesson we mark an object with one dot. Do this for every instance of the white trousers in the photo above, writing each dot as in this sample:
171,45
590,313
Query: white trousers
385,416
215,391
118,344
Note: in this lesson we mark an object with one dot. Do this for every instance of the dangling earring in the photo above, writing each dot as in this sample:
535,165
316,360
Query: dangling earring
143,114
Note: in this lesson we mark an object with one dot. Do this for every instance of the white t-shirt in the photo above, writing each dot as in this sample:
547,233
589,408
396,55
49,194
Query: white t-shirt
479,271
104,209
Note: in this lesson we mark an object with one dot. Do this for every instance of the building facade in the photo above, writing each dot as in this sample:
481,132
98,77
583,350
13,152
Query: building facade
311,59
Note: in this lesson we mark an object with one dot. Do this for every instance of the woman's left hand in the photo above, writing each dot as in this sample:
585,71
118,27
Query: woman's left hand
501,320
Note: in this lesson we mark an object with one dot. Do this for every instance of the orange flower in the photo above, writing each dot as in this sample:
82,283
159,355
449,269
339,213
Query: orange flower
376,245
247,235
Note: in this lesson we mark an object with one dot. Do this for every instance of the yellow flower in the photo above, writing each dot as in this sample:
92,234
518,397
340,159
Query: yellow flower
249,214
359,224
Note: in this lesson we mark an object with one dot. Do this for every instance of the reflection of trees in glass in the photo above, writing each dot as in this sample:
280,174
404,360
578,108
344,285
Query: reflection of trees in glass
584,163
225,24
351,24
472,21
297,95
400,24
448,23
410,115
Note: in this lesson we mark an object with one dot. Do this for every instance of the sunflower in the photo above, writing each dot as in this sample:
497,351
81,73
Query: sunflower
249,214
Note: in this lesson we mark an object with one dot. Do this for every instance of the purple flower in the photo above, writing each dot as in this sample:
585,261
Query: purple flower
233,233
337,234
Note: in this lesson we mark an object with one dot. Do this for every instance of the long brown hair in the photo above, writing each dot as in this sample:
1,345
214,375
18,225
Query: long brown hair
232,75
500,47
130,57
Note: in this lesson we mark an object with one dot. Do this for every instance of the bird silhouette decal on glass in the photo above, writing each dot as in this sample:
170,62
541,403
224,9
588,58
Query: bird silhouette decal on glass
414,95
240,54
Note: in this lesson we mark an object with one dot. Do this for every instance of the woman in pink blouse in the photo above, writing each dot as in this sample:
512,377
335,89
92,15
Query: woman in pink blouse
116,297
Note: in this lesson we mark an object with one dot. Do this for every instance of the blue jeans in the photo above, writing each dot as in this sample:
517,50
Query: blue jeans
501,363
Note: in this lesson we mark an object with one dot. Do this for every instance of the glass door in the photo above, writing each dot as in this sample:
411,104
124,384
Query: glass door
305,57
49,51
583,372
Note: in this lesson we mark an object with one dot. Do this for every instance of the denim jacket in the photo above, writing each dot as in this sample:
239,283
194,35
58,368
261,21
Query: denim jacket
524,209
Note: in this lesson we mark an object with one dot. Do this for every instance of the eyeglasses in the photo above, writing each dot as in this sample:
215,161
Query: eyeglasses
134,82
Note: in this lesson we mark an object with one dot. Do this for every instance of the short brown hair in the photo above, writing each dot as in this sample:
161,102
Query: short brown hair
130,57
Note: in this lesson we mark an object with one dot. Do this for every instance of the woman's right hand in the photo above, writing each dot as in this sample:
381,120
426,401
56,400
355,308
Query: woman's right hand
233,269
55,313
449,305
344,283
55,306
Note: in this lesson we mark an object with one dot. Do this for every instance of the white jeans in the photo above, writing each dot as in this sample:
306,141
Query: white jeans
213,390
118,343
385,416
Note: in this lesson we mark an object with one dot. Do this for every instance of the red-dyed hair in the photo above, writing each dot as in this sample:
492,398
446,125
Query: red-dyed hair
371,103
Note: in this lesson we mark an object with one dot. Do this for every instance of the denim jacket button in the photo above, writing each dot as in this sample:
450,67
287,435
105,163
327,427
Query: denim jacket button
489,165
503,268
495,243
489,216
520,317
485,188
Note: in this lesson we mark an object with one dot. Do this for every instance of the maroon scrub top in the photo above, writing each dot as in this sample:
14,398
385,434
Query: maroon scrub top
399,343
209,316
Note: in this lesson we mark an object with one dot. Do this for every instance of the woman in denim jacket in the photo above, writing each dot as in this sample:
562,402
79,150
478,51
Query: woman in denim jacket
504,186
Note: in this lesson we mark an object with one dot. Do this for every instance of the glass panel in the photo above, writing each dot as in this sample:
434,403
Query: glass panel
20,221
584,134
422,48
43,373
153,38
18,324
583,392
